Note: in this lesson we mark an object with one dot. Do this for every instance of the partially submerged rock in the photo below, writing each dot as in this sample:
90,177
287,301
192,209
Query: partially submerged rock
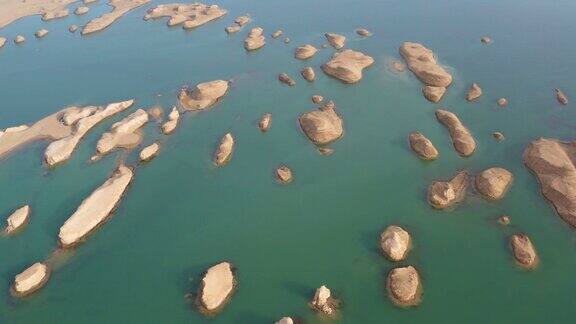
560,96
203,95
96,208
169,126
422,146
397,66
224,151
422,62
149,152
238,24
73,28
324,302
363,32
123,134
285,320
474,92
308,74
322,126
305,52
433,94
347,65
493,183
19,39
81,10
524,251
486,40
284,174
462,139
216,288
395,242
498,136
255,39
285,78
286,40
41,33
2,41
325,151
30,280
277,34
317,99
504,220
190,15
121,7
17,219
337,41
265,122
444,194
404,286
156,113
502,102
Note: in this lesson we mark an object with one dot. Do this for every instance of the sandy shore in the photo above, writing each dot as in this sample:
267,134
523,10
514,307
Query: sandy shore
12,10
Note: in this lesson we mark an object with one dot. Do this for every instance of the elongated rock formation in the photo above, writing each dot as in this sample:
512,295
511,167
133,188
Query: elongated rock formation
524,251
190,15
395,243
493,183
15,10
265,122
121,7
224,151
323,125
82,119
255,39
149,152
123,134
286,79
553,162
238,24
30,280
422,146
422,62
95,208
560,96
404,286
444,194
347,66
170,125
462,139
216,288
203,95
17,219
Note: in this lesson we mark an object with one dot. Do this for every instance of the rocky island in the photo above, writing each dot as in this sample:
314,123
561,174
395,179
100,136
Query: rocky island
323,125
264,123
17,219
324,302
524,251
123,134
216,288
149,152
170,125
255,39
347,66
404,287
422,146
121,7
224,151
203,95
305,52
308,74
284,174
337,41
30,280
395,243
190,15
462,139
474,92
493,183
444,194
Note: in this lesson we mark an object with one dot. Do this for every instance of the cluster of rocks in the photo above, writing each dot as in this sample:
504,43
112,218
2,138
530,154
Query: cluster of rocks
189,15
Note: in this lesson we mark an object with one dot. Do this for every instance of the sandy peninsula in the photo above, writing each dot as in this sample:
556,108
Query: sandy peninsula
12,10
121,7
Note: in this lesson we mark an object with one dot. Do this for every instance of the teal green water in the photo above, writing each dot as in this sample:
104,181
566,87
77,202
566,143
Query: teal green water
182,214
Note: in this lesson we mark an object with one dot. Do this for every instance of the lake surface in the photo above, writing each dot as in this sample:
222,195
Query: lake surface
182,214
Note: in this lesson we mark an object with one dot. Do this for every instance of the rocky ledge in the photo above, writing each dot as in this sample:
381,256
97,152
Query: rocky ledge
444,194
224,151
17,219
395,243
216,288
347,66
203,95
123,134
422,146
493,183
323,125
523,251
404,286
462,139
30,280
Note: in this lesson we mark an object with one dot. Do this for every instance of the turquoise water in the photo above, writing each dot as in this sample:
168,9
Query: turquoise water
182,215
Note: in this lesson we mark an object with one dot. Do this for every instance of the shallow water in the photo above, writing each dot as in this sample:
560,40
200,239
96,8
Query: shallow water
182,214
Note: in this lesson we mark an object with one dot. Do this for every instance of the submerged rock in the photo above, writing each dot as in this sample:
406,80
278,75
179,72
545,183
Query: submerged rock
433,94
422,146
486,40
502,102
156,113
325,151
277,34
347,65
444,194
323,301
561,97
524,251
474,92
30,280
462,140
224,150
41,33
404,287
123,134
284,174
305,52
322,126
285,78
398,66
81,10
395,243
96,208
149,152
286,40
317,99
337,41
363,32
255,39
493,183
422,62
203,95
216,288
308,74
191,15
19,39
17,219
265,122
169,126
73,28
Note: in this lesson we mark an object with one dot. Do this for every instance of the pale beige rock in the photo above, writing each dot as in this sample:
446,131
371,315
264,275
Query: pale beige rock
74,114
444,194
255,39
233,29
72,28
323,301
493,183
286,79
317,99
286,40
169,126
17,219
277,34
347,65
524,251
121,7
56,13
224,151
96,208
462,139
322,126
337,41
149,152
404,286
30,280
474,92
216,288
19,39
395,242
265,122
2,41
422,62
13,10
242,20
308,74
190,15
203,95
284,174
305,52
123,134
422,146
498,136
560,96
89,1
504,220
502,102
363,32
433,94
41,33
82,10
285,320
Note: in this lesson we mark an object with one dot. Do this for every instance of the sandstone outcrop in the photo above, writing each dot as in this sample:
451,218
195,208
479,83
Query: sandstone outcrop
305,52
123,134
96,208
395,243
286,79
404,287
493,183
30,280
323,125
324,302
474,92
216,288
462,139
363,32
149,152
255,39
265,122
41,33
224,151
444,194
423,64
121,7
524,251
19,39
82,10
284,174
560,96
17,219
337,41
203,95
170,125
347,65
422,146
190,15
308,74
433,94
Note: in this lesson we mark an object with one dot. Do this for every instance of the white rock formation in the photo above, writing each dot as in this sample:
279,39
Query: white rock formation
18,218
149,152
216,288
31,279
